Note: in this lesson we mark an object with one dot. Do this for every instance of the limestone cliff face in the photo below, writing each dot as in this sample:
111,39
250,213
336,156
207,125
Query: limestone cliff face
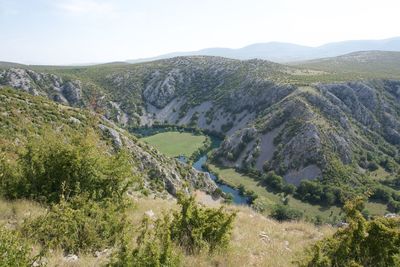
52,86
268,123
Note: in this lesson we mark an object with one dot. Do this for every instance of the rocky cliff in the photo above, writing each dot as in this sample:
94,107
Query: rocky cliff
272,118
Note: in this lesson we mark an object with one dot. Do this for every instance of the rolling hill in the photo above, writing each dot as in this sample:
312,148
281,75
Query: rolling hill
288,52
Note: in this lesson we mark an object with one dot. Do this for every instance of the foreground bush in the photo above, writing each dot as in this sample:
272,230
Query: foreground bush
50,167
80,225
154,247
193,229
363,243
13,250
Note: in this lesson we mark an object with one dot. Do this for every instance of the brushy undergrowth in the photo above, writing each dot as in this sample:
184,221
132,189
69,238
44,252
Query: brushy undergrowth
191,230
51,166
14,250
80,225
362,243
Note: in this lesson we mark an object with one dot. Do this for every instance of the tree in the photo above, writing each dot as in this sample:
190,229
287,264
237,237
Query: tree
285,213
273,180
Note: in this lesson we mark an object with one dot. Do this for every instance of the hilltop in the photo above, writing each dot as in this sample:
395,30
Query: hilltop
362,64
288,52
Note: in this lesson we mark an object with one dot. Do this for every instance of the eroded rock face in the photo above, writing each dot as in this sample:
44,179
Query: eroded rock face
239,99
113,134
72,92
372,104
18,78
160,90
50,85
234,145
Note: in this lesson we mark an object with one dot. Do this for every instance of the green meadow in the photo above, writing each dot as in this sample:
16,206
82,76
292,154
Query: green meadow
174,144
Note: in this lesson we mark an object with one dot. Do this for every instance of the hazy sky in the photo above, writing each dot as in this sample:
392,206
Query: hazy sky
82,31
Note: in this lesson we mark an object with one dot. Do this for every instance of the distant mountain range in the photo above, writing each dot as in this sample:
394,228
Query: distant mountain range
287,52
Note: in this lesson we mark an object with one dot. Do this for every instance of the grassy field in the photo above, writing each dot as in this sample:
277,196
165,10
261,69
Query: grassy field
233,178
174,144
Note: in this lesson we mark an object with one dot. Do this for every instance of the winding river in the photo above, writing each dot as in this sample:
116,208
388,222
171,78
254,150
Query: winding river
198,165
237,198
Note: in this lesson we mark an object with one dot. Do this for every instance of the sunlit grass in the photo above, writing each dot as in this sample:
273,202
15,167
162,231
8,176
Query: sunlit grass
174,144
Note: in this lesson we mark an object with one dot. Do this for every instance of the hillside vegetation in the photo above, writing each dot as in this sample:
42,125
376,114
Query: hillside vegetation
77,188
302,123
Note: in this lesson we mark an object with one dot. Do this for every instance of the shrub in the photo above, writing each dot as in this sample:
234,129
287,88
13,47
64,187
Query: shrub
241,189
80,225
8,173
362,243
289,189
14,250
372,166
51,167
273,180
285,213
195,228
381,193
394,206
154,246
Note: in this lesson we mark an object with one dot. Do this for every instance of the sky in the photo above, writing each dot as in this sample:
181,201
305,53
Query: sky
93,31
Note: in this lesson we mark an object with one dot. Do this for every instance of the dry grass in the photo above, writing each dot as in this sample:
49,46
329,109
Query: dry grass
13,213
259,241
256,240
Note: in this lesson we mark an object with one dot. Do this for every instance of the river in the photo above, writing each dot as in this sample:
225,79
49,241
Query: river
237,198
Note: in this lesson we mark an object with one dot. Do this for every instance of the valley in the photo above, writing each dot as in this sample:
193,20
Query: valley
248,152
230,180
199,133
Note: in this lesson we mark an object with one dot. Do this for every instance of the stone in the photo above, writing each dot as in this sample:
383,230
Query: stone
71,258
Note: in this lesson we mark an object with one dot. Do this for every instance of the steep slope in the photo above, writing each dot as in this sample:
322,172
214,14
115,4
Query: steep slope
23,116
273,117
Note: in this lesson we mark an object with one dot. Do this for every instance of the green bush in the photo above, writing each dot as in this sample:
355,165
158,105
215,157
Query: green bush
14,251
362,243
192,229
285,213
372,166
50,167
154,247
195,228
80,225
273,180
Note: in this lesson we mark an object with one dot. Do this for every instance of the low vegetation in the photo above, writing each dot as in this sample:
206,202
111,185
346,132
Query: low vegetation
52,167
14,250
361,243
189,231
